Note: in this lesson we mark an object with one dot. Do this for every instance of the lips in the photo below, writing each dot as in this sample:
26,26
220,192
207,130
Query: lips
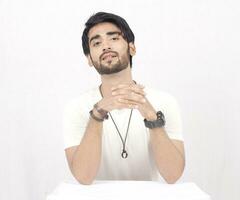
108,56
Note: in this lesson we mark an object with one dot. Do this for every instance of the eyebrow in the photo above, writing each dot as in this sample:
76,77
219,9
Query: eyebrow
114,32
108,33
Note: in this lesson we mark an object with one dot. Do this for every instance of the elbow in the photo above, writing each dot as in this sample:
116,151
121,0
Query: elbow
84,180
175,177
172,180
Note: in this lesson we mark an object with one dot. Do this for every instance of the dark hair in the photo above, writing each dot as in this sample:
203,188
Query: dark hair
106,17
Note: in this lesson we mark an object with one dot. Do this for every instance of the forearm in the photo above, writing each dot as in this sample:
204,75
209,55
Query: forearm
169,160
86,159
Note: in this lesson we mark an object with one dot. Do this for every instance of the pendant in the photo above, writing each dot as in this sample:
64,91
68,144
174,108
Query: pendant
124,154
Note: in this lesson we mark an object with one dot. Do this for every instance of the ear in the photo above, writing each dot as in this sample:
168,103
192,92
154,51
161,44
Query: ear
89,60
132,49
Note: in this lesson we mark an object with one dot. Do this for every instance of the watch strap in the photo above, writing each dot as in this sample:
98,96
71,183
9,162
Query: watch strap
159,122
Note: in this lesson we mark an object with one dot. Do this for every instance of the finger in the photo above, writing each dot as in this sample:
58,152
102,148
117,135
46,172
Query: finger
128,104
125,86
127,90
133,98
122,105
138,90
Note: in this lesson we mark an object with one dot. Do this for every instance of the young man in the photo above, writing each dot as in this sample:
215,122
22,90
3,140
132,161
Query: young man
120,130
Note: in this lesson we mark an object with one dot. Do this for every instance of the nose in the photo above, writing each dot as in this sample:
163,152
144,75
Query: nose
106,46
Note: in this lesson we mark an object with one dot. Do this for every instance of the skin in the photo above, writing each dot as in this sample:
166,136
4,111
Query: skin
120,92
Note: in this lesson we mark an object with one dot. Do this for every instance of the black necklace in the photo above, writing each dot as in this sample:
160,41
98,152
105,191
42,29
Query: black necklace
124,152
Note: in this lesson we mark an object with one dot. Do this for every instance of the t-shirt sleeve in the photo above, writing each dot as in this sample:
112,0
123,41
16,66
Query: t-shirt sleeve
173,119
74,122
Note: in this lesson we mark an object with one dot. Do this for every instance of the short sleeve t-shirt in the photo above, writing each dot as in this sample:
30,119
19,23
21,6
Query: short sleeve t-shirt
139,165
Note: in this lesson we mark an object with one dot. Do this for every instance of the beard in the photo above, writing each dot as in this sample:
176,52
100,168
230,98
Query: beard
112,66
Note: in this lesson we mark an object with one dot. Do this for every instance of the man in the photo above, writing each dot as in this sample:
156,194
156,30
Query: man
120,130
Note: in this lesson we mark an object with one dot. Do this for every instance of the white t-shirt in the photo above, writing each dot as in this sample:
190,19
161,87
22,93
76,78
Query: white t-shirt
139,165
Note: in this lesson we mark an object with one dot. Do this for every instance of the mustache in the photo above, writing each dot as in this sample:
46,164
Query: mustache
114,52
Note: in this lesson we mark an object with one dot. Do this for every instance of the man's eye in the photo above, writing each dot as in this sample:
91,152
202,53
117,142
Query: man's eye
96,44
115,38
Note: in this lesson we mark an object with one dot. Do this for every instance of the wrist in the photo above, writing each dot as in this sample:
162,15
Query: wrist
151,116
99,119
96,113
103,113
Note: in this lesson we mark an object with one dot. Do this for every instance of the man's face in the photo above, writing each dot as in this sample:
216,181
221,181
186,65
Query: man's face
109,52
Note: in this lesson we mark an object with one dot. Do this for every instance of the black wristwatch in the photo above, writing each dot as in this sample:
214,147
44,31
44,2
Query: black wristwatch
159,122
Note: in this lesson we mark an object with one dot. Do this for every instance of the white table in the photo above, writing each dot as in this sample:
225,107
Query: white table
127,190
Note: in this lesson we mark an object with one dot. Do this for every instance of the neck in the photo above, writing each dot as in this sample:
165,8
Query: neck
111,80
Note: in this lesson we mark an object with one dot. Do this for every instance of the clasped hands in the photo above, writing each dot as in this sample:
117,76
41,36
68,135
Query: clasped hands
129,96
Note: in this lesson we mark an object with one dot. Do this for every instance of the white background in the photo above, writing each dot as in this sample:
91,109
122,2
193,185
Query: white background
187,48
